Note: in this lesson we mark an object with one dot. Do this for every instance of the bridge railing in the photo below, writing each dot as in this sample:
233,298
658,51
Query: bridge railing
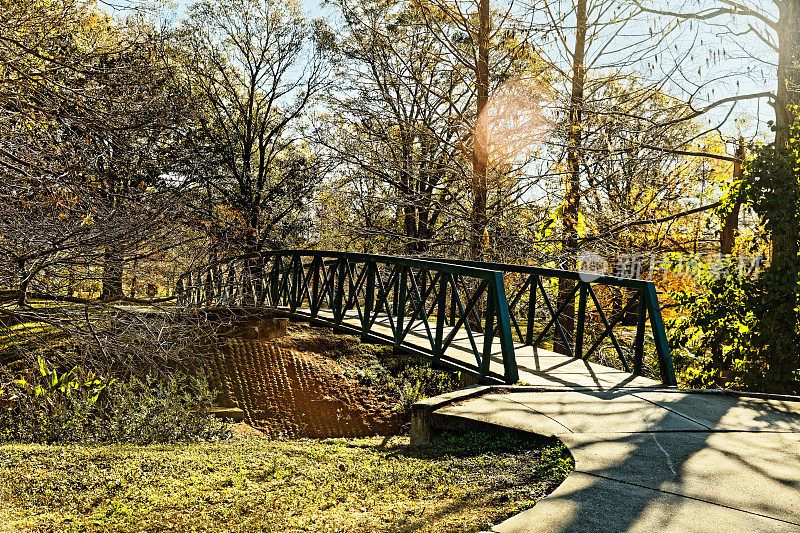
428,305
418,305
565,305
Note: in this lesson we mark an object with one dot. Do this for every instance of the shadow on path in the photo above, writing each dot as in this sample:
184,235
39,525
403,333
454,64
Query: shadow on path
659,460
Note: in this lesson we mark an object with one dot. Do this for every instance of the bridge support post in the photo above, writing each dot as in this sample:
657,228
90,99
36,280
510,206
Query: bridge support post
423,426
581,320
452,300
488,330
420,431
338,301
275,281
510,371
296,293
534,281
660,338
441,317
369,299
315,303
638,343
400,302
396,290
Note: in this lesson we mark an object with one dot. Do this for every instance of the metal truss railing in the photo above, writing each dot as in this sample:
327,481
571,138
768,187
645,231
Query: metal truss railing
432,306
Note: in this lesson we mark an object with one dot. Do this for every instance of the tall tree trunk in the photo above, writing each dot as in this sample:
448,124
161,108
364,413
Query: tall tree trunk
410,225
134,280
71,283
480,155
424,233
788,93
112,273
251,241
781,317
730,225
569,220
251,278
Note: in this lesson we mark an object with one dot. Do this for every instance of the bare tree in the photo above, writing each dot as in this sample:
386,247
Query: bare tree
399,122
406,122
252,68
491,46
590,44
84,111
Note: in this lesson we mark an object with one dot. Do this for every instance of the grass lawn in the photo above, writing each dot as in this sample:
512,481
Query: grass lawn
463,483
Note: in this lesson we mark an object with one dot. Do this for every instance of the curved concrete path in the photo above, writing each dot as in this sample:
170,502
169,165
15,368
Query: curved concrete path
646,459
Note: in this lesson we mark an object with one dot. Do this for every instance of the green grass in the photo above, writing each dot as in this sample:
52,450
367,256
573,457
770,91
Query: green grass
460,484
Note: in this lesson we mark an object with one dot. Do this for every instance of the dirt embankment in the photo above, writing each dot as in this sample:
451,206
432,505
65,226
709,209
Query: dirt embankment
293,387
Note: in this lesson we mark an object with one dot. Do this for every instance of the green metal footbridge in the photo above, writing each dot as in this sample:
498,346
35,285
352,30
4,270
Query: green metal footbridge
499,322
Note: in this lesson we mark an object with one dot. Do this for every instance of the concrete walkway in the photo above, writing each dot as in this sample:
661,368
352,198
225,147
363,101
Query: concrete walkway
646,459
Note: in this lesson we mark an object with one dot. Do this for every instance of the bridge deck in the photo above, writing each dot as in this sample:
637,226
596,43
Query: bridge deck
537,367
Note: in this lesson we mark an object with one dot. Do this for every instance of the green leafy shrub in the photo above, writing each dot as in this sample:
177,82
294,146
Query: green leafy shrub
407,378
713,343
744,332
46,406
419,381
164,410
